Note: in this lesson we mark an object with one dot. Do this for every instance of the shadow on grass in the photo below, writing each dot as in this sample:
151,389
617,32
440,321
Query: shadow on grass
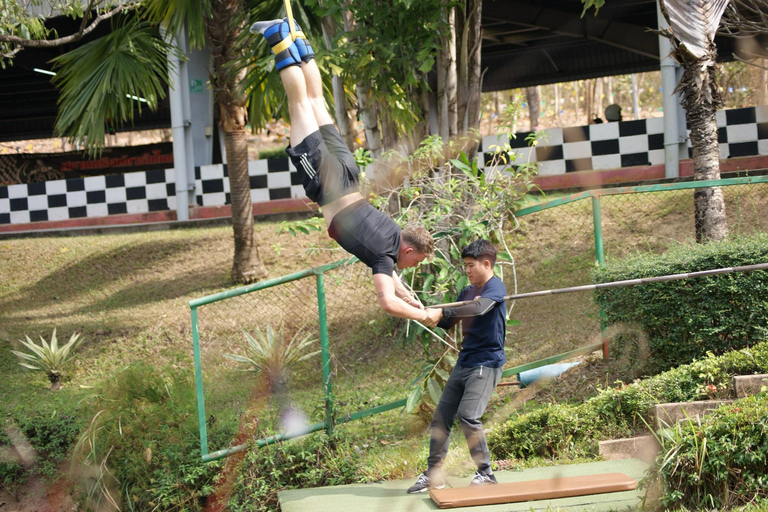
130,275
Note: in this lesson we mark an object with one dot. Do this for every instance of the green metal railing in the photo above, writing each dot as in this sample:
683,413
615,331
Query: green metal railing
331,418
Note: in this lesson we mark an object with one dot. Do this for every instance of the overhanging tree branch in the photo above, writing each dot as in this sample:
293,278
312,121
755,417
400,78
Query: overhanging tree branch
22,43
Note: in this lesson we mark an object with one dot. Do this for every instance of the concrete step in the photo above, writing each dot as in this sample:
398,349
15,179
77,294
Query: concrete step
747,385
669,414
644,448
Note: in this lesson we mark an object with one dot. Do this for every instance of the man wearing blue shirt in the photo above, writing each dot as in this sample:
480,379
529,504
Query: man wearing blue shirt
477,371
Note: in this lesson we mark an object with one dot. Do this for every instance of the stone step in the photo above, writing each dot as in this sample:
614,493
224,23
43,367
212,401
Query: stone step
644,448
669,414
747,385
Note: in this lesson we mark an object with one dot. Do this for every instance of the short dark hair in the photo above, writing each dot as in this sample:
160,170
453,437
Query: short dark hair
420,239
480,249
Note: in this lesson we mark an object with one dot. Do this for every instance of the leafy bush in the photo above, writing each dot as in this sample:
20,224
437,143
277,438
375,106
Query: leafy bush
685,319
51,436
719,463
312,461
279,152
11,475
569,431
143,443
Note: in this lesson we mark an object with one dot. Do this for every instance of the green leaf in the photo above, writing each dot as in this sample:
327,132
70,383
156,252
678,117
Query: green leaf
428,282
512,322
434,390
414,400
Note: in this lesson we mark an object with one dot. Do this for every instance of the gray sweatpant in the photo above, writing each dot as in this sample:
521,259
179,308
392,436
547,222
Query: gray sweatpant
466,395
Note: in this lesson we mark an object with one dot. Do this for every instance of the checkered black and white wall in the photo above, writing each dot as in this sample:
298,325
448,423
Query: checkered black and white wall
139,192
742,132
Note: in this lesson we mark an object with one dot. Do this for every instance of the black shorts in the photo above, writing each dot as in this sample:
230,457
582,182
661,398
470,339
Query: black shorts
326,167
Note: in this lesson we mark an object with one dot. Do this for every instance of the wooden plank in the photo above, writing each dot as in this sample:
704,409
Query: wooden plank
532,491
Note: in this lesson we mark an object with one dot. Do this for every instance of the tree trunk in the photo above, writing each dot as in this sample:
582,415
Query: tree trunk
597,104
532,97
576,101
762,89
557,102
451,86
701,99
365,102
446,76
247,265
339,96
474,70
388,130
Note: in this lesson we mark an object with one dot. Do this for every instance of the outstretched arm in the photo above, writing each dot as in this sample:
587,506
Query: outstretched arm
404,293
395,306
479,307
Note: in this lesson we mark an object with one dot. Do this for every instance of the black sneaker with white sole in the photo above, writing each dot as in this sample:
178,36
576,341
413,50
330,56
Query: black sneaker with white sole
483,479
424,484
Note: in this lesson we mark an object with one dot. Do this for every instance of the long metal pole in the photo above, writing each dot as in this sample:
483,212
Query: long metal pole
325,352
597,222
199,385
669,99
178,128
617,284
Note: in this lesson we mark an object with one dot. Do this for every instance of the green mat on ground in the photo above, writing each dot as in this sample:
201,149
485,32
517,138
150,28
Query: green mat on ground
391,496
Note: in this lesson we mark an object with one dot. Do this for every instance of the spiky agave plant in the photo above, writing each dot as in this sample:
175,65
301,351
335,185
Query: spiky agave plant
269,353
48,357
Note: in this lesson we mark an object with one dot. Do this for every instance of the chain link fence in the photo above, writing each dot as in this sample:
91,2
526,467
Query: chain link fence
554,247
560,251
357,330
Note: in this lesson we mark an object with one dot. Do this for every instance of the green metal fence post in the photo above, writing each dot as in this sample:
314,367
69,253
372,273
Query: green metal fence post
199,385
597,221
325,352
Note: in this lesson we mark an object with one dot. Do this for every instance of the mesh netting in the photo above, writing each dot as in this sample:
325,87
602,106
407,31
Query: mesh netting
360,338
560,252
553,248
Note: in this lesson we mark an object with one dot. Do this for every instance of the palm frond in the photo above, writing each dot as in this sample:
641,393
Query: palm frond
694,22
176,15
104,83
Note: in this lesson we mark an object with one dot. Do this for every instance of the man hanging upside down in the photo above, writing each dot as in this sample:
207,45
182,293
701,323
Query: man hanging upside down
329,174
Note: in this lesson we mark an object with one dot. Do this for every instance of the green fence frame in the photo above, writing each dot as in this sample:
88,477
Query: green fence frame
318,272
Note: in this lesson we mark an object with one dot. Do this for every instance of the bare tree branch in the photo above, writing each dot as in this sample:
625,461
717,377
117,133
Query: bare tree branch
49,43
750,62
11,54
745,17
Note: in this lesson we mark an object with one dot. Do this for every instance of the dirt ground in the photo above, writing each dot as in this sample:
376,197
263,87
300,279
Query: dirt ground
39,495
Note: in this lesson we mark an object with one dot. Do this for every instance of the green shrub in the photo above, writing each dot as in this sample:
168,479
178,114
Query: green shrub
572,430
267,153
50,433
52,437
142,445
312,461
719,463
685,319
11,475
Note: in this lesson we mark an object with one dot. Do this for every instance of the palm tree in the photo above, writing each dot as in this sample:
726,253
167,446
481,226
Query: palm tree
692,31
95,78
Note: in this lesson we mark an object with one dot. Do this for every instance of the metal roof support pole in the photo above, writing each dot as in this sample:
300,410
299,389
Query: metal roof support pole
669,102
180,126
